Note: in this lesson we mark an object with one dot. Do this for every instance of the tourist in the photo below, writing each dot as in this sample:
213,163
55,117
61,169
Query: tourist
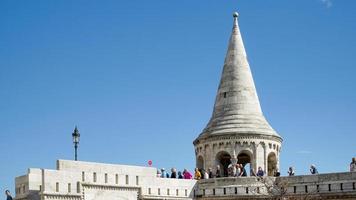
252,172
218,172
180,176
159,173
164,174
206,174
233,170
186,174
173,173
238,170
242,171
230,170
8,195
353,165
313,169
197,174
260,172
290,171
277,173
210,171
201,173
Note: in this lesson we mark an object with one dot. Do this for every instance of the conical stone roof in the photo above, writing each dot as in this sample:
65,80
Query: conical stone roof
237,108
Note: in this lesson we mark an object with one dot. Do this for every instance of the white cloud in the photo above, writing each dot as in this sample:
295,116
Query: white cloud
304,152
327,3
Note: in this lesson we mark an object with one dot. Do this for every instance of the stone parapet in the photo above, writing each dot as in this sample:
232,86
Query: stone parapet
77,180
321,186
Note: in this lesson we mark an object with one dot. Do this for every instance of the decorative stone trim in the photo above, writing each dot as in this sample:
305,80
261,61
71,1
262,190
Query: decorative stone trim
213,138
110,187
61,196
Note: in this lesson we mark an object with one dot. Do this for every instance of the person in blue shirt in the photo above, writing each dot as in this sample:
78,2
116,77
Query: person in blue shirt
8,195
164,174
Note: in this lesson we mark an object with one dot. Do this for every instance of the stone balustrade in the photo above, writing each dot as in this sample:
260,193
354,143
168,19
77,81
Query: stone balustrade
339,185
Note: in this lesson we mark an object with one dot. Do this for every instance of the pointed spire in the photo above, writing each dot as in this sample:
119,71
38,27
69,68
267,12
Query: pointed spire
237,108
76,129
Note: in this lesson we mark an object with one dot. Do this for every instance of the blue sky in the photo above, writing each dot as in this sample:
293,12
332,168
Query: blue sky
139,79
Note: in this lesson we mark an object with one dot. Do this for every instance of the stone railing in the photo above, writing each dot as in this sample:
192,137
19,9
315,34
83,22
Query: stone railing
333,184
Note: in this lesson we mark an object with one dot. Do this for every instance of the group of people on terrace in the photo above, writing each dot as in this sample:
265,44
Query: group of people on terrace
174,174
237,170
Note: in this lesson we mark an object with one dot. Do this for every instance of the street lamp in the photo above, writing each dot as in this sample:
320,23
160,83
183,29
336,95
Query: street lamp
76,137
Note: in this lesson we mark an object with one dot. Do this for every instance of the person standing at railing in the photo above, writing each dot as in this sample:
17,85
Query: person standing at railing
180,176
277,173
238,170
242,170
291,171
210,171
8,195
252,172
164,174
205,174
197,174
173,173
260,172
187,174
218,172
313,169
353,165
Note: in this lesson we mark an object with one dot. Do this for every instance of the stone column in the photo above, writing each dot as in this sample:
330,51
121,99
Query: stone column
260,156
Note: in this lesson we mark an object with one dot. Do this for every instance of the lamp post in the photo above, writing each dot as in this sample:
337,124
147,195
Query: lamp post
76,137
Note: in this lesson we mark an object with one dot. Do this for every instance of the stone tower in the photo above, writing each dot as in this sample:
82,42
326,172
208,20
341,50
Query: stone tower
237,130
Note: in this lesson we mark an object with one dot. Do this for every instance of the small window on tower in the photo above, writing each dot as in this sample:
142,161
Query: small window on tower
94,177
225,94
83,176
127,179
78,187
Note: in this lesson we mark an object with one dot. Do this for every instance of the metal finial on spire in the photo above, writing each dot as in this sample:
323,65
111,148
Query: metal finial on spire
235,15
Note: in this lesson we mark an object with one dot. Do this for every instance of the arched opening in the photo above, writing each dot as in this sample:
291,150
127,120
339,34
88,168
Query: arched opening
244,158
271,164
200,163
224,160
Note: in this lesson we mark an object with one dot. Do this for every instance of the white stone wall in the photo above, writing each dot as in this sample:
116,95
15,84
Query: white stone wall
94,181
46,184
